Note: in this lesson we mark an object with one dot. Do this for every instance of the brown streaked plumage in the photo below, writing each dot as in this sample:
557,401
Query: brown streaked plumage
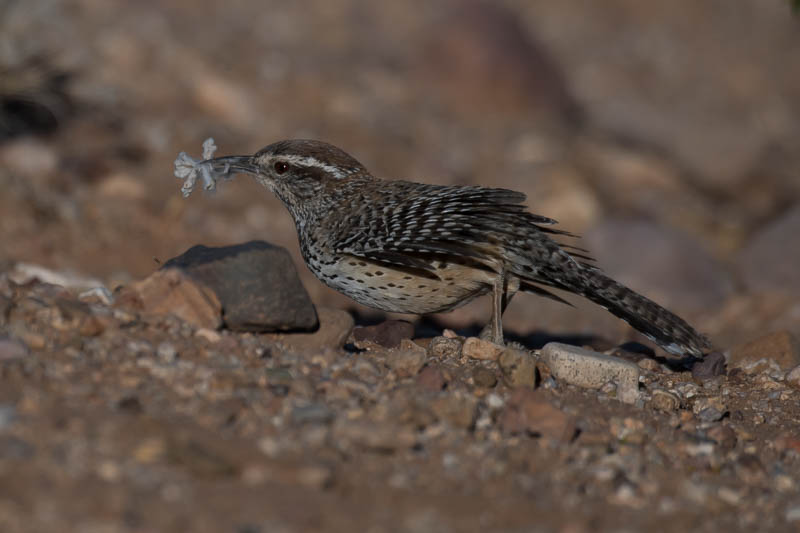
411,247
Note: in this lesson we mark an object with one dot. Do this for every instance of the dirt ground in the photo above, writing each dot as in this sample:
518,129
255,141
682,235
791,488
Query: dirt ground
666,134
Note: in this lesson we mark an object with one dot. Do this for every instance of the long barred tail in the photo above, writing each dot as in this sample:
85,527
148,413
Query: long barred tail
661,326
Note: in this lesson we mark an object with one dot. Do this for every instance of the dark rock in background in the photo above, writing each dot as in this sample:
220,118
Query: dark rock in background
771,260
671,267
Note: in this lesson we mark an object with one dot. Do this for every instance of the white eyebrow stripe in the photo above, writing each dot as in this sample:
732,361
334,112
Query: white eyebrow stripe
308,161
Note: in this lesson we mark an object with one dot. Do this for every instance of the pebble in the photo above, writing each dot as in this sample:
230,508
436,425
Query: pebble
374,436
458,410
444,347
407,361
709,409
255,282
484,377
529,411
335,326
711,366
793,514
665,401
780,346
793,377
387,334
167,352
592,370
12,349
651,365
476,348
431,378
518,367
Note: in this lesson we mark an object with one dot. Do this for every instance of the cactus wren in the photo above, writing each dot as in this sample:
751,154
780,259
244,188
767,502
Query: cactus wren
416,248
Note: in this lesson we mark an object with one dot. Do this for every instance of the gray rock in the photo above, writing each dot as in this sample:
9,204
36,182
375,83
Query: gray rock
592,370
769,262
256,283
711,366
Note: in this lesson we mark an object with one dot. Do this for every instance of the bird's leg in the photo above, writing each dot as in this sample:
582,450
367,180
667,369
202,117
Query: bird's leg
503,290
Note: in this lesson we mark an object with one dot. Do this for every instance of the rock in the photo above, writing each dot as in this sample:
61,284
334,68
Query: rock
665,401
709,409
519,368
484,377
711,366
24,273
724,436
12,350
663,273
458,409
256,283
407,360
780,346
529,410
444,347
592,370
651,365
172,292
793,378
387,334
374,436
476,348
335,326
431,378
314,413
769,262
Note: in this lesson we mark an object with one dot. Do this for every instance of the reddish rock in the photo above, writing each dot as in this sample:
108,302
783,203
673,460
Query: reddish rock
431,378
476,348
780,346
529,411
171,291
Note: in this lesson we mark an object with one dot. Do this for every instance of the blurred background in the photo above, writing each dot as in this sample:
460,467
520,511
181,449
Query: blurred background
667,134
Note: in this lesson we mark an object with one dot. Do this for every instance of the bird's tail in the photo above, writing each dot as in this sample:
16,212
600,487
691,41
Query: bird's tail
661,326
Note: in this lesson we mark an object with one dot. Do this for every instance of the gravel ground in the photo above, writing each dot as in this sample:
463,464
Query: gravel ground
132,399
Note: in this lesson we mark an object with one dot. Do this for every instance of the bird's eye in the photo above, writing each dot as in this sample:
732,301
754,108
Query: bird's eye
280,167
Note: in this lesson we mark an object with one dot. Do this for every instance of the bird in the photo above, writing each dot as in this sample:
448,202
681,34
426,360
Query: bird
410,247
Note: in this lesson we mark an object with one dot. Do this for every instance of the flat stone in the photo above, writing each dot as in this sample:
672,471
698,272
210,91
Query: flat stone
335,326
476,348
387,334
780,346
529,411
256,283
171,291
519,368
592,370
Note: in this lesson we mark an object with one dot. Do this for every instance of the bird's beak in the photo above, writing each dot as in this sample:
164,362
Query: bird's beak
242,164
